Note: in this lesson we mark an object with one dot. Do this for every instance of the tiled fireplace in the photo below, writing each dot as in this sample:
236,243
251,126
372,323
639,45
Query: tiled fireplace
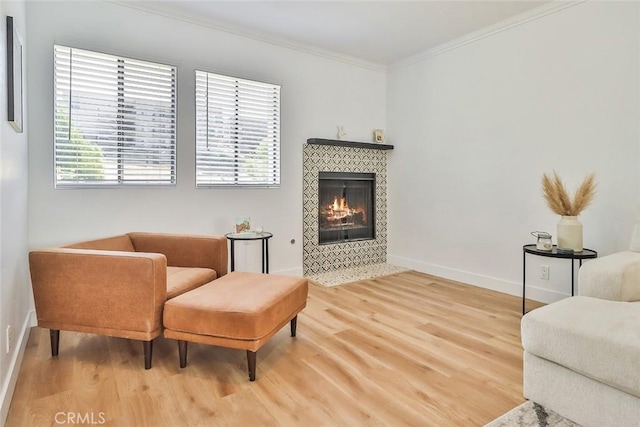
342,229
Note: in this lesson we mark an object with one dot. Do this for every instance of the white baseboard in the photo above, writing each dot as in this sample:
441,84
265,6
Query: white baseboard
290,272
9,383
493,283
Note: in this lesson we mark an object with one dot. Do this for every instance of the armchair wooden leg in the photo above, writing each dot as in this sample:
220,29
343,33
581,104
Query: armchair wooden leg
294,325
251,361
182,352
54,334
148,353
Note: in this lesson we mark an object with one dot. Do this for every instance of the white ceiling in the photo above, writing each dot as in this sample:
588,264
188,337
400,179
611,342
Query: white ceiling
381,32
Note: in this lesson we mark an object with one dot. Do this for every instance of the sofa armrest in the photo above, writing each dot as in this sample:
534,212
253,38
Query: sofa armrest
183,250
613,277
108,292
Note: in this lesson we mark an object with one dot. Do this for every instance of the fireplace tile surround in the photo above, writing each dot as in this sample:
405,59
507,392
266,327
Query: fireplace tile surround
318,259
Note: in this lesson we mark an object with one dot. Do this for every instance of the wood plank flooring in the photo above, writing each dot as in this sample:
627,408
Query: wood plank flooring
408,349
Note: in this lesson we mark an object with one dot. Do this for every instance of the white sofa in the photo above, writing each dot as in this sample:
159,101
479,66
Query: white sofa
582,354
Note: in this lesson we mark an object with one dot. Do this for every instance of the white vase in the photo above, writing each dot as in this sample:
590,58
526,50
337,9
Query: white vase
569,233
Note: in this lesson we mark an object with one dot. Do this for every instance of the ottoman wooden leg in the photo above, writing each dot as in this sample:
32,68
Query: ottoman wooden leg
294,325
147,347
54,335
251,361
182,351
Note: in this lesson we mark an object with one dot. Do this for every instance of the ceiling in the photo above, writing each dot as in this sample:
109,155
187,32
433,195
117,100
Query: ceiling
380,32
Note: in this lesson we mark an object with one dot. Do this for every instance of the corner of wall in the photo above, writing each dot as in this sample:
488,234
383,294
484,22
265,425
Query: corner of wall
10,380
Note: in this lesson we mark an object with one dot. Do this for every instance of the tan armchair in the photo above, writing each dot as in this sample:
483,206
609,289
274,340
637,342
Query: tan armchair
117,286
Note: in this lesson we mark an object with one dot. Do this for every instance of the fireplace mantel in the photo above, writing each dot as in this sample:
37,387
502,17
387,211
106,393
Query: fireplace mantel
342,143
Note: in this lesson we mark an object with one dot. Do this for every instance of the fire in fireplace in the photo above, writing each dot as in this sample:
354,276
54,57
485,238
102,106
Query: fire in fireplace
346,204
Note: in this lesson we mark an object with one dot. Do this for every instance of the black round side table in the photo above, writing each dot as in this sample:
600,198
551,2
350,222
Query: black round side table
553,253
264,236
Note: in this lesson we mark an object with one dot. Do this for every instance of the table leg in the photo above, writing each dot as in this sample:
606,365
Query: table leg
579,265
266,258
264,241
233,257
524,275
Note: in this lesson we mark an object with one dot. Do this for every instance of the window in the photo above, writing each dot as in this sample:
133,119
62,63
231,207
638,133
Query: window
237,132
115,120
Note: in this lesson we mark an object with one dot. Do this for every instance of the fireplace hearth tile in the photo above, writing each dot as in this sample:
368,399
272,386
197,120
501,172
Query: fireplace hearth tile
355,274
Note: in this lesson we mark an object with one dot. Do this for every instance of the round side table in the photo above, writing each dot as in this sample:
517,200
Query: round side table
264,237
553,253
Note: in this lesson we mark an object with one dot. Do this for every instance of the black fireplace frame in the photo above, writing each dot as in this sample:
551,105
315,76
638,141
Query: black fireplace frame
343,235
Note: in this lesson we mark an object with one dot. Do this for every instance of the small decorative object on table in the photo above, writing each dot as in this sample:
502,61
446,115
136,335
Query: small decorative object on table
243,225
378,135
341,133
555,194
544,240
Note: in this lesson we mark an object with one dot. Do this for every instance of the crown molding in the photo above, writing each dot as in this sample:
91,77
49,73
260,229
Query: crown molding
546,9
515,21
158,9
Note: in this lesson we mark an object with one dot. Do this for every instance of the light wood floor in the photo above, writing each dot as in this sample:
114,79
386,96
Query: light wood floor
408,349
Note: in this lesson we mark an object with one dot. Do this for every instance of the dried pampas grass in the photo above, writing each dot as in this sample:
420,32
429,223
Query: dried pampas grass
558,200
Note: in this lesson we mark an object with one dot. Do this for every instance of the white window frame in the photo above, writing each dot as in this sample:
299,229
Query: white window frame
115,120
237,132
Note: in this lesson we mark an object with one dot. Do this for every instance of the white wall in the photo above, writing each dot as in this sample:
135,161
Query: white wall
475,128
15,290
317,94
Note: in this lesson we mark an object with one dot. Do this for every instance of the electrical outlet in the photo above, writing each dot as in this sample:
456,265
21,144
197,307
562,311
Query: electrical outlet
544,272
8,339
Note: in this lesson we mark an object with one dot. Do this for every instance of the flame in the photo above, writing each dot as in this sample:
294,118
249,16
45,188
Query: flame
338,214
342,206
339,209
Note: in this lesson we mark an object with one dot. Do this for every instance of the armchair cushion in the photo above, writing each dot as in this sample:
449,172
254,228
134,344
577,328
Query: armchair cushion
184,279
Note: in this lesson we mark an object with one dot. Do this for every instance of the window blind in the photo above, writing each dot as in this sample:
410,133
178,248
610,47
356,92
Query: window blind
115,120
237,132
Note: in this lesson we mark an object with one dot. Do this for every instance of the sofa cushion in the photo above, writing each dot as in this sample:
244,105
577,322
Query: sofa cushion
184,279
116,243
597,338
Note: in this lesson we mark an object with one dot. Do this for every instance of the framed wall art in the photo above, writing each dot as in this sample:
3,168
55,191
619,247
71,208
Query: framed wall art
14,76
243,225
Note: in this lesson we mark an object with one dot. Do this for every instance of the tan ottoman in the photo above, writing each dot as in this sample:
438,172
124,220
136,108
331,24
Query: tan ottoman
239,310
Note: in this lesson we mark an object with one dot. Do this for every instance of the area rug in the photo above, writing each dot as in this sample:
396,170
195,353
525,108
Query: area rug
350,275
531,414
